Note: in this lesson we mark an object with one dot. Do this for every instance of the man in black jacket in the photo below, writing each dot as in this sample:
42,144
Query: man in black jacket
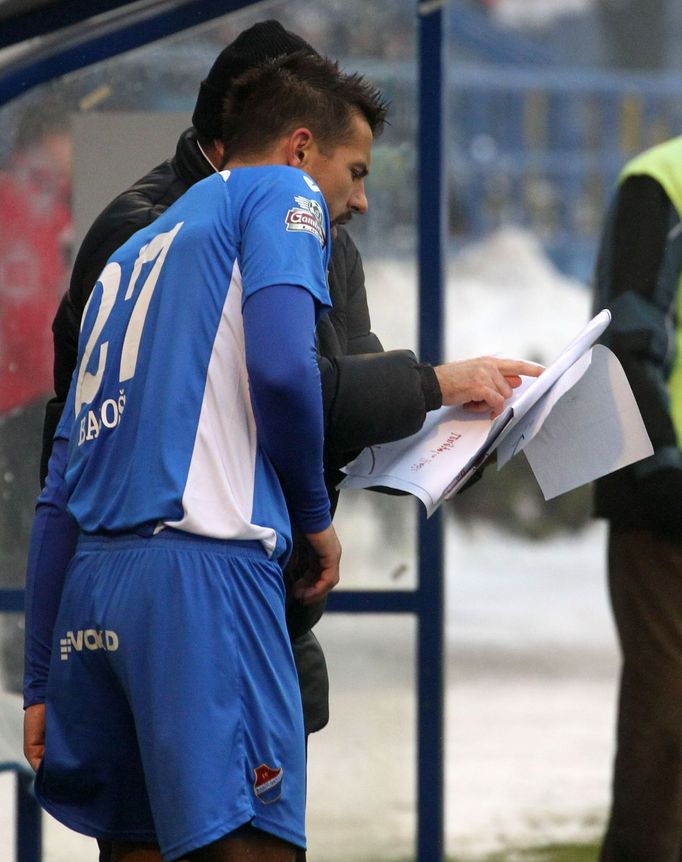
370,396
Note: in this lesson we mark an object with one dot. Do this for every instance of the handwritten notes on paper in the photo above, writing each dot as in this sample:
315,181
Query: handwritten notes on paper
582,397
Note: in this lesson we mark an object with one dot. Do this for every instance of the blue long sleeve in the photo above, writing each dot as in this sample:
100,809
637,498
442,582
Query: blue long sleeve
53,542
284,379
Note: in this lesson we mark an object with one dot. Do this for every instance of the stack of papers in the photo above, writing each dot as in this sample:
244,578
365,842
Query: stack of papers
576,422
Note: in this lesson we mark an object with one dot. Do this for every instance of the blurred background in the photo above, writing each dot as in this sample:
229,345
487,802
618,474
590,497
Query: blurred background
546,101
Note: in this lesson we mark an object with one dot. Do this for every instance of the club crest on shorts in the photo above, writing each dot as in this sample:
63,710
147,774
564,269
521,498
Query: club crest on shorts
308,216
268,783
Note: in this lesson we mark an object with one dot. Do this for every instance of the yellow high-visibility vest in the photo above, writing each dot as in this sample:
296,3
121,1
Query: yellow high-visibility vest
663,163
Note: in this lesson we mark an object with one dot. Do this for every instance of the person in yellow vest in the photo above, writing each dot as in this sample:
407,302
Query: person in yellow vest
638,278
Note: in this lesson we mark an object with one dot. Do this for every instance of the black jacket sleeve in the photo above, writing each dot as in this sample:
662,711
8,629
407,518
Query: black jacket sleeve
370,396
640,288
638,275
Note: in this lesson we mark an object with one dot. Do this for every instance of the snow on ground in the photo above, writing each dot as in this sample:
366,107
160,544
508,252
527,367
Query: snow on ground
531,655
531,672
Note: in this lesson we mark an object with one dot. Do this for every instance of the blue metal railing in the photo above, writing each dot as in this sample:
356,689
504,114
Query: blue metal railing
11,601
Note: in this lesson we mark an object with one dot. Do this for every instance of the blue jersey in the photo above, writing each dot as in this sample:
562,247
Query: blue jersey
159,419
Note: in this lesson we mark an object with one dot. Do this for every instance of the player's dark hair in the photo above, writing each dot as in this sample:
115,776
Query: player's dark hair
301,89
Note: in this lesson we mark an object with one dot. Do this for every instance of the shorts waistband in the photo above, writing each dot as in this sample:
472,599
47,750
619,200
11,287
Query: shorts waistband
169,536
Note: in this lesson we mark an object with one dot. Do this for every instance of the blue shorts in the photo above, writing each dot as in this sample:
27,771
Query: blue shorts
173,707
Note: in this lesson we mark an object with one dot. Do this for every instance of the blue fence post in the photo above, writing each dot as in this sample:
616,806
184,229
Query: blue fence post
29,822
431,246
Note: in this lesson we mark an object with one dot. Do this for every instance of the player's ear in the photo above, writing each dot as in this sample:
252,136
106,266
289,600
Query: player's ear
299,147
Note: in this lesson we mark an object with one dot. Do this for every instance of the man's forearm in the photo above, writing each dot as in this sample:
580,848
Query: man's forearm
284,384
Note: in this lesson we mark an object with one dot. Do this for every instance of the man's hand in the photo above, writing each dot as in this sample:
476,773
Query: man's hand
483,384
34,734
325,576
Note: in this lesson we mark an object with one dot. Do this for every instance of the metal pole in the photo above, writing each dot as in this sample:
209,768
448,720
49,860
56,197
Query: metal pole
432,237
29,843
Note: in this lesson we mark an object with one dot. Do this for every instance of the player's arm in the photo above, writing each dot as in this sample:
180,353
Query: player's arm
284,380
52,544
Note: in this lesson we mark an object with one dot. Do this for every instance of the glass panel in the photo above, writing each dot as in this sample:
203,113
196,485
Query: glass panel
7,814
35,250
362,766
378,534
370,659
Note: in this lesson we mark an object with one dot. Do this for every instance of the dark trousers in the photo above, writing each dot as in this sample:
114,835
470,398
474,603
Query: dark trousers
645,582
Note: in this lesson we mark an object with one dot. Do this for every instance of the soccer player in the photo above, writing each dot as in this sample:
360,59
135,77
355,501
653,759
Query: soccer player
172,711
173,714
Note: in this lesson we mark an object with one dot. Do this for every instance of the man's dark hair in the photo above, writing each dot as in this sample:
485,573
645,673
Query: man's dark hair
301,89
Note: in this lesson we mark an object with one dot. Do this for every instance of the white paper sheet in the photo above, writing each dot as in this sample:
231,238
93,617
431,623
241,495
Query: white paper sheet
554,418
593,429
